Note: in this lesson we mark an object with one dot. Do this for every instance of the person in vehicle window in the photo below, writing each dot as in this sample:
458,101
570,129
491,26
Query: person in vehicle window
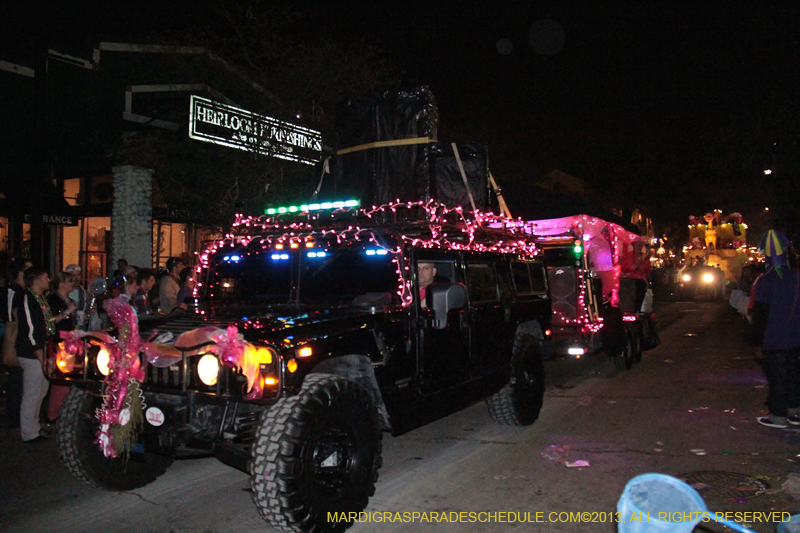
425,274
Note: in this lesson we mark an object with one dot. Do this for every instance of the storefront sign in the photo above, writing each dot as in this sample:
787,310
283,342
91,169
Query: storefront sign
54,220
59,220
227,125
53,215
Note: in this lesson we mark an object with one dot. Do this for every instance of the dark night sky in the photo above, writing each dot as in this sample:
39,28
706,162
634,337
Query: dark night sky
672,104
675,105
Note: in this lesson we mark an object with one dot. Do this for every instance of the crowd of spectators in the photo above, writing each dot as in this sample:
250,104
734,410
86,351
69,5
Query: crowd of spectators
35,309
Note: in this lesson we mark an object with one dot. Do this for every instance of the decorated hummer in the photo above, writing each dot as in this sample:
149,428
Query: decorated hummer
311,336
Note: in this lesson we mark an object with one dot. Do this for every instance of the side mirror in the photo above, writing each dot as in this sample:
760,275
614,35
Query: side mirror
443,298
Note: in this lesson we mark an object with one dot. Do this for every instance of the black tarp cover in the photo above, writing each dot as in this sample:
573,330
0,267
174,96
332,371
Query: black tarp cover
420,171
379,175
446,176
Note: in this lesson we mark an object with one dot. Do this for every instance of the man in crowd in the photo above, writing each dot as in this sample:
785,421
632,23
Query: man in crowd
15,291
170,285
145,280
33,314
776,330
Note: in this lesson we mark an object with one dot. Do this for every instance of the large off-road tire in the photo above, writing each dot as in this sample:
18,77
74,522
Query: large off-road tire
75,435
519,402
637,333
624,358
315,453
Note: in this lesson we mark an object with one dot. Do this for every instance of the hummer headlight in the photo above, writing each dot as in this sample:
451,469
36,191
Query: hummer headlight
64,359
208,369
102,361
708,278
687,277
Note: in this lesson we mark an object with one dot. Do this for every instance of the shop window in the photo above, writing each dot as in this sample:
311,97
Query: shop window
96,230
71,244
94,246
169,240
72,191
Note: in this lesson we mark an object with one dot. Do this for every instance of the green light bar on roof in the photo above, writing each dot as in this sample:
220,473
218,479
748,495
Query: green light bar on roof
311,207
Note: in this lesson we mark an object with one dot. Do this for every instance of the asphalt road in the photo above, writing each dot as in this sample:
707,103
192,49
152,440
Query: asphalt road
688,410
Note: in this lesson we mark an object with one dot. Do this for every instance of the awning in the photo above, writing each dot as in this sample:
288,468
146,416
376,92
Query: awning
38,201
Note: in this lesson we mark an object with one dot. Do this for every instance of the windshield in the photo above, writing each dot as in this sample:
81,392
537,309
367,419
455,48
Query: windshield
334,275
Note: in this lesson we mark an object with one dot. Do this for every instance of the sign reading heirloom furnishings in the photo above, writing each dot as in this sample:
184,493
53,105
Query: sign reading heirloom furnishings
238,128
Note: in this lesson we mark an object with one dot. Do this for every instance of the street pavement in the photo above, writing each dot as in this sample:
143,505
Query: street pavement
687,410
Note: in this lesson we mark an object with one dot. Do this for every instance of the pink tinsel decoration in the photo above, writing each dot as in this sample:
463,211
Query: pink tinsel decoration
73,341
124,365
230,347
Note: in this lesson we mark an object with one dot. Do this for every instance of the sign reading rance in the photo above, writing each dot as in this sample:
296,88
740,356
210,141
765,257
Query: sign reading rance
231,126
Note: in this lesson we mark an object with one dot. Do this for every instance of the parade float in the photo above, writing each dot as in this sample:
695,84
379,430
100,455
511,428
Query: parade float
592,265
718,241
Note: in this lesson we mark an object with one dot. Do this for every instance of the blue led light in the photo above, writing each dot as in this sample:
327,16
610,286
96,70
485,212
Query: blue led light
235,257
226,258
279,257
376,252
316,254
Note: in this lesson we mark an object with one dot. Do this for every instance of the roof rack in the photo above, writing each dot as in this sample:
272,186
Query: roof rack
428,224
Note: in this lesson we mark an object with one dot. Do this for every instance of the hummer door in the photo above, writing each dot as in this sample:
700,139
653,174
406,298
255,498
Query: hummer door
442,346
489,313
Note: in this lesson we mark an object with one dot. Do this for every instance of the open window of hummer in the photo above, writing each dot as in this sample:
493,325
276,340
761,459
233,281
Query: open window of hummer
597,273
310,340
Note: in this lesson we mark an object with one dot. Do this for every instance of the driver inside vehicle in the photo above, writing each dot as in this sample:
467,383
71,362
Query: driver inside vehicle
425,274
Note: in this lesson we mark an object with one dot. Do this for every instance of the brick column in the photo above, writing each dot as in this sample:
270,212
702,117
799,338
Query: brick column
132,216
